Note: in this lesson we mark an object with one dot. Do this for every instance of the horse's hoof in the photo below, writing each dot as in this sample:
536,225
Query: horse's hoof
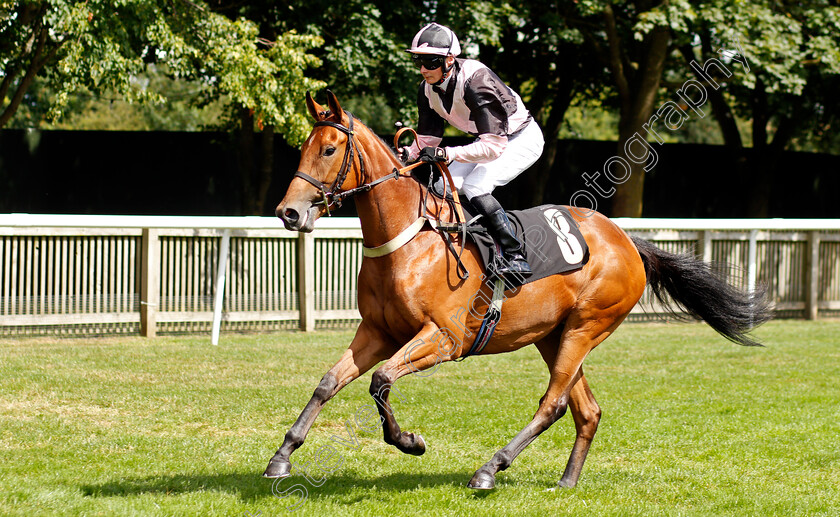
482,481
419,447
564,484
278,469
416,444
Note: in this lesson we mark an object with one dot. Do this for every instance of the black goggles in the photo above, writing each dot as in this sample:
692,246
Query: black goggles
431,62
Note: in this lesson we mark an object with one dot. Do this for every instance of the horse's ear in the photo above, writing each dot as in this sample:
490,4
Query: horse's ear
315,109
336,113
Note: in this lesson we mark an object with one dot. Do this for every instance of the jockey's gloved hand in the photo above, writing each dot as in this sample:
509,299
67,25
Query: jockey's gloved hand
432,154
403,153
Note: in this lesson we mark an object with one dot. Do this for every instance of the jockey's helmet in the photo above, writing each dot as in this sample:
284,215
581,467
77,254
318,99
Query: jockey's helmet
436,40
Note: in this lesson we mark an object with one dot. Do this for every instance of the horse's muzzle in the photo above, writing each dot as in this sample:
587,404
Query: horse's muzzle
298,218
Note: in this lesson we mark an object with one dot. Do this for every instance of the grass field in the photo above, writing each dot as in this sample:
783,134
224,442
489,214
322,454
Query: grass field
692,425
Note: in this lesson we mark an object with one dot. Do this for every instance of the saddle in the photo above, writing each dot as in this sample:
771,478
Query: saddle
552,241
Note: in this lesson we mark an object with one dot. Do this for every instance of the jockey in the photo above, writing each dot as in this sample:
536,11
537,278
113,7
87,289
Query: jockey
469,96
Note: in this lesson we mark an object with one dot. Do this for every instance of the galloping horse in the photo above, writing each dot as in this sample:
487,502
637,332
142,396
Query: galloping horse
408,294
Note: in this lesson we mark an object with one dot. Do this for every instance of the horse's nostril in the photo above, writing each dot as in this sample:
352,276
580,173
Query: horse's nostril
291,215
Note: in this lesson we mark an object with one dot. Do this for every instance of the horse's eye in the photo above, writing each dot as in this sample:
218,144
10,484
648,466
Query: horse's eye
329,151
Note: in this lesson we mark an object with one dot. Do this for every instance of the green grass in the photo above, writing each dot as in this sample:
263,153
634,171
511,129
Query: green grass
692,425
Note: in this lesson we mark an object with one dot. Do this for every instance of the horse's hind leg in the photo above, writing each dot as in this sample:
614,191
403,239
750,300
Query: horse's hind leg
579,337
552,407
366,349
587,414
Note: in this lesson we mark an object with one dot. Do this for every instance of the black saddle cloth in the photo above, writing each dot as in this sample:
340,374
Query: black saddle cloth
553,242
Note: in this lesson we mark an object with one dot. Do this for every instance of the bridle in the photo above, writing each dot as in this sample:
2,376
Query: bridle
332,195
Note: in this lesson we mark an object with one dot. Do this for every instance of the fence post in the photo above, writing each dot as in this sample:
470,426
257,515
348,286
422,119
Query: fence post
812,275
219,296
704,245
306,280
752,265
149,282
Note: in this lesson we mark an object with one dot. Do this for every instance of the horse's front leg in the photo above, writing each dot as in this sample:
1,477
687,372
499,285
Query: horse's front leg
368,348
421,353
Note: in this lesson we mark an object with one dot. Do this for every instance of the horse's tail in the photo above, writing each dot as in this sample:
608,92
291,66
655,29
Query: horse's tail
703,294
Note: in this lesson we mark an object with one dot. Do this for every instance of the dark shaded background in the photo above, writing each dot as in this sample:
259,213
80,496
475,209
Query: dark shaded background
160,173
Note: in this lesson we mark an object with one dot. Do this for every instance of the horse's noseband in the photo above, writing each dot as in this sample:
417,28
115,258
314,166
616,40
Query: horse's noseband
331,196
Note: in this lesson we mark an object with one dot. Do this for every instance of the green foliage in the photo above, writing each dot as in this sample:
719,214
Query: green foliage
793,55
188,106
589,120
362,57
105,46
371,60
265,54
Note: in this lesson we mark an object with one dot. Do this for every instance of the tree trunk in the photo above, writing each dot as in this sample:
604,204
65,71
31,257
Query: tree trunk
638,94
760,170
266,169
256,169
247,161
720,108
627,200
36,62
766,152
551,129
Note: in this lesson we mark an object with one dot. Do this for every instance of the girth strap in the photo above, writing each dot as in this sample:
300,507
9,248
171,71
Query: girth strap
491,319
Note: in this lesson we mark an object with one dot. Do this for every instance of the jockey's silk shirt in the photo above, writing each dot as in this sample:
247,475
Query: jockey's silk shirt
476,101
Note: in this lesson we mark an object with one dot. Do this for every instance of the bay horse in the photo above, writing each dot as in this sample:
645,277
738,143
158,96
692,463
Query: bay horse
408,295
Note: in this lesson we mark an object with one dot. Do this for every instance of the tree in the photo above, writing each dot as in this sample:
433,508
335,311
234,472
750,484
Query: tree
633,40
362,61
531,45
791,53
603,53
362,56
187,107
556,52
105,46
785,54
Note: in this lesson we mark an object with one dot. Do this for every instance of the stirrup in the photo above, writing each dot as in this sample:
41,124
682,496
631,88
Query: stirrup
515,264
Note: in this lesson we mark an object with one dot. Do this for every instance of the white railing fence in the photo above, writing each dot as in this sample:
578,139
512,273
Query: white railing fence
797,260
127,274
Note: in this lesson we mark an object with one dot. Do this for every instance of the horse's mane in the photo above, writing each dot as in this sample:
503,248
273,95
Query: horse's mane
382,142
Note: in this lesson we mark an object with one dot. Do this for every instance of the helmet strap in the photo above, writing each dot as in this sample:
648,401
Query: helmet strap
446,71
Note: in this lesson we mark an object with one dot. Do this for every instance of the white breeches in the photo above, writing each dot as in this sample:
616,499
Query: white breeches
522,151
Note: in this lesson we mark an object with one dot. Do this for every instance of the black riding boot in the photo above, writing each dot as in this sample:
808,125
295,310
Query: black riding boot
501,229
